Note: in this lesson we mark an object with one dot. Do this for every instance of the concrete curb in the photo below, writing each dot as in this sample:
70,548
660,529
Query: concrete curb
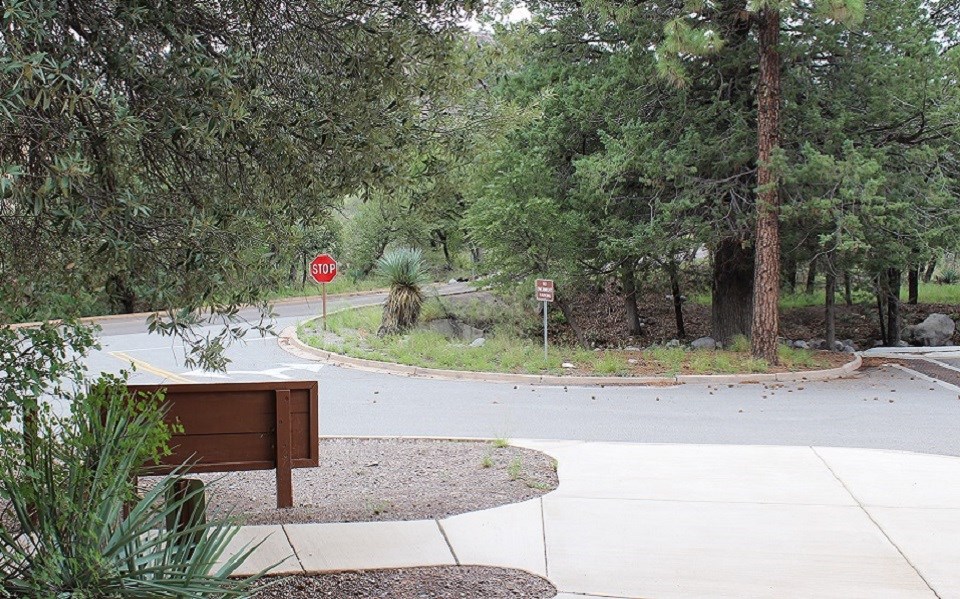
289,341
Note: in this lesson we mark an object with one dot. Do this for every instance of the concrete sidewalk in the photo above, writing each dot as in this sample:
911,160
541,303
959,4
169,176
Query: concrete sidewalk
665,521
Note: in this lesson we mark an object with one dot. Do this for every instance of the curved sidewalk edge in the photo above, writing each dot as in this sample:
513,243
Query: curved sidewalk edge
788,521
292,344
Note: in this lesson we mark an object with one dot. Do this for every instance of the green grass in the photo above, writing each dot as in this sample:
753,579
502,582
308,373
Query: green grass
929,293
356,331
427,348
515,469
793,358
610,363
739,344
672,358
932,293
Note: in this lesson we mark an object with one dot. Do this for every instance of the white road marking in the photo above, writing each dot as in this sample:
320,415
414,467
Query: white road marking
276,373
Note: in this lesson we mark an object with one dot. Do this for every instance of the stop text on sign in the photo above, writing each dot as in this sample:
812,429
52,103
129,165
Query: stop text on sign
323,268
544,290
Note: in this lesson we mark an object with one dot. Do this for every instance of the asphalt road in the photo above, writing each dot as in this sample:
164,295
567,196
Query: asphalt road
879,408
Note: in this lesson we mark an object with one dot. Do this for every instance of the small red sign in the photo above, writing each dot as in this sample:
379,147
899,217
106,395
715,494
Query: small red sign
544,290
323,268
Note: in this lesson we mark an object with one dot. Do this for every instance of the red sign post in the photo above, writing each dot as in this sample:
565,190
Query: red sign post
323,269
544,293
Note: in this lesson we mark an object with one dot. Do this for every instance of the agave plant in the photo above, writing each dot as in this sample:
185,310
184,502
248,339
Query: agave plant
74,528
403,269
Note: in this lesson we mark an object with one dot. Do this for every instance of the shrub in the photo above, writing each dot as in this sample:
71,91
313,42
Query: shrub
739,343
948,276
73,525
405,272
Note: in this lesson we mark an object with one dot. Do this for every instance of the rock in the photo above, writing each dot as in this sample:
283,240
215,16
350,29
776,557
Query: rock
631,361
673,343
453,329
704,343
818,344
902,343
838,346
567,365
850,343
801,344
631,348
849,349
878,343
478,342
452,281
935,330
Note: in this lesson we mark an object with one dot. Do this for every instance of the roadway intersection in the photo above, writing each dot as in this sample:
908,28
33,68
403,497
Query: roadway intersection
884,408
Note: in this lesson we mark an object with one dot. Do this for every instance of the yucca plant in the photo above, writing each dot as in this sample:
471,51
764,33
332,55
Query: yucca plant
73,527
403,269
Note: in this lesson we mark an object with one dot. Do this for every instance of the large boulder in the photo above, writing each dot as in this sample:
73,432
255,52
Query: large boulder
704,343
936,330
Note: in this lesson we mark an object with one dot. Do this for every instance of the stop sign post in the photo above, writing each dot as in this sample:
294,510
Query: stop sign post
323,269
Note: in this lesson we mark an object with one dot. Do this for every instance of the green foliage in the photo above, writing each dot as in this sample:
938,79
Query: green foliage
515,469
185,158
791,357
739,344
610,363
623,172
948,276
40,360
65,532
402,267
403,270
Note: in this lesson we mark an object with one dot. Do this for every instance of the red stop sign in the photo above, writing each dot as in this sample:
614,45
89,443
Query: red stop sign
323,268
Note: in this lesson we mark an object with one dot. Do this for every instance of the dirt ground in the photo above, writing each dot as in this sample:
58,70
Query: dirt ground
602,315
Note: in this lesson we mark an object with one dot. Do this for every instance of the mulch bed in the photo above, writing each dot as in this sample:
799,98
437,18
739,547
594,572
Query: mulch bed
446,582
602,314
363,480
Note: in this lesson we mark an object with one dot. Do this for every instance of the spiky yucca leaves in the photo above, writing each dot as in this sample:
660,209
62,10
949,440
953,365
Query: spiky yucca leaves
403,269
64,530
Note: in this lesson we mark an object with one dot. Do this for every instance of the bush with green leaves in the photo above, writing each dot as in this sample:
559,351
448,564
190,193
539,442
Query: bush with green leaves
73,525
404,270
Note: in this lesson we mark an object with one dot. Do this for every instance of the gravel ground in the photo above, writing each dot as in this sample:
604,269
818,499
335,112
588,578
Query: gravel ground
448,582
361,480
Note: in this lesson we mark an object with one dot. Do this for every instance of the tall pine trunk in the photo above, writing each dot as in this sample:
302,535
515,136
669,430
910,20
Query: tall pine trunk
766,284
731,291
847,289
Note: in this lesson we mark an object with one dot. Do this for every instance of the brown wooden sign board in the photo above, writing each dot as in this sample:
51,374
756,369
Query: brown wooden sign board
230,427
